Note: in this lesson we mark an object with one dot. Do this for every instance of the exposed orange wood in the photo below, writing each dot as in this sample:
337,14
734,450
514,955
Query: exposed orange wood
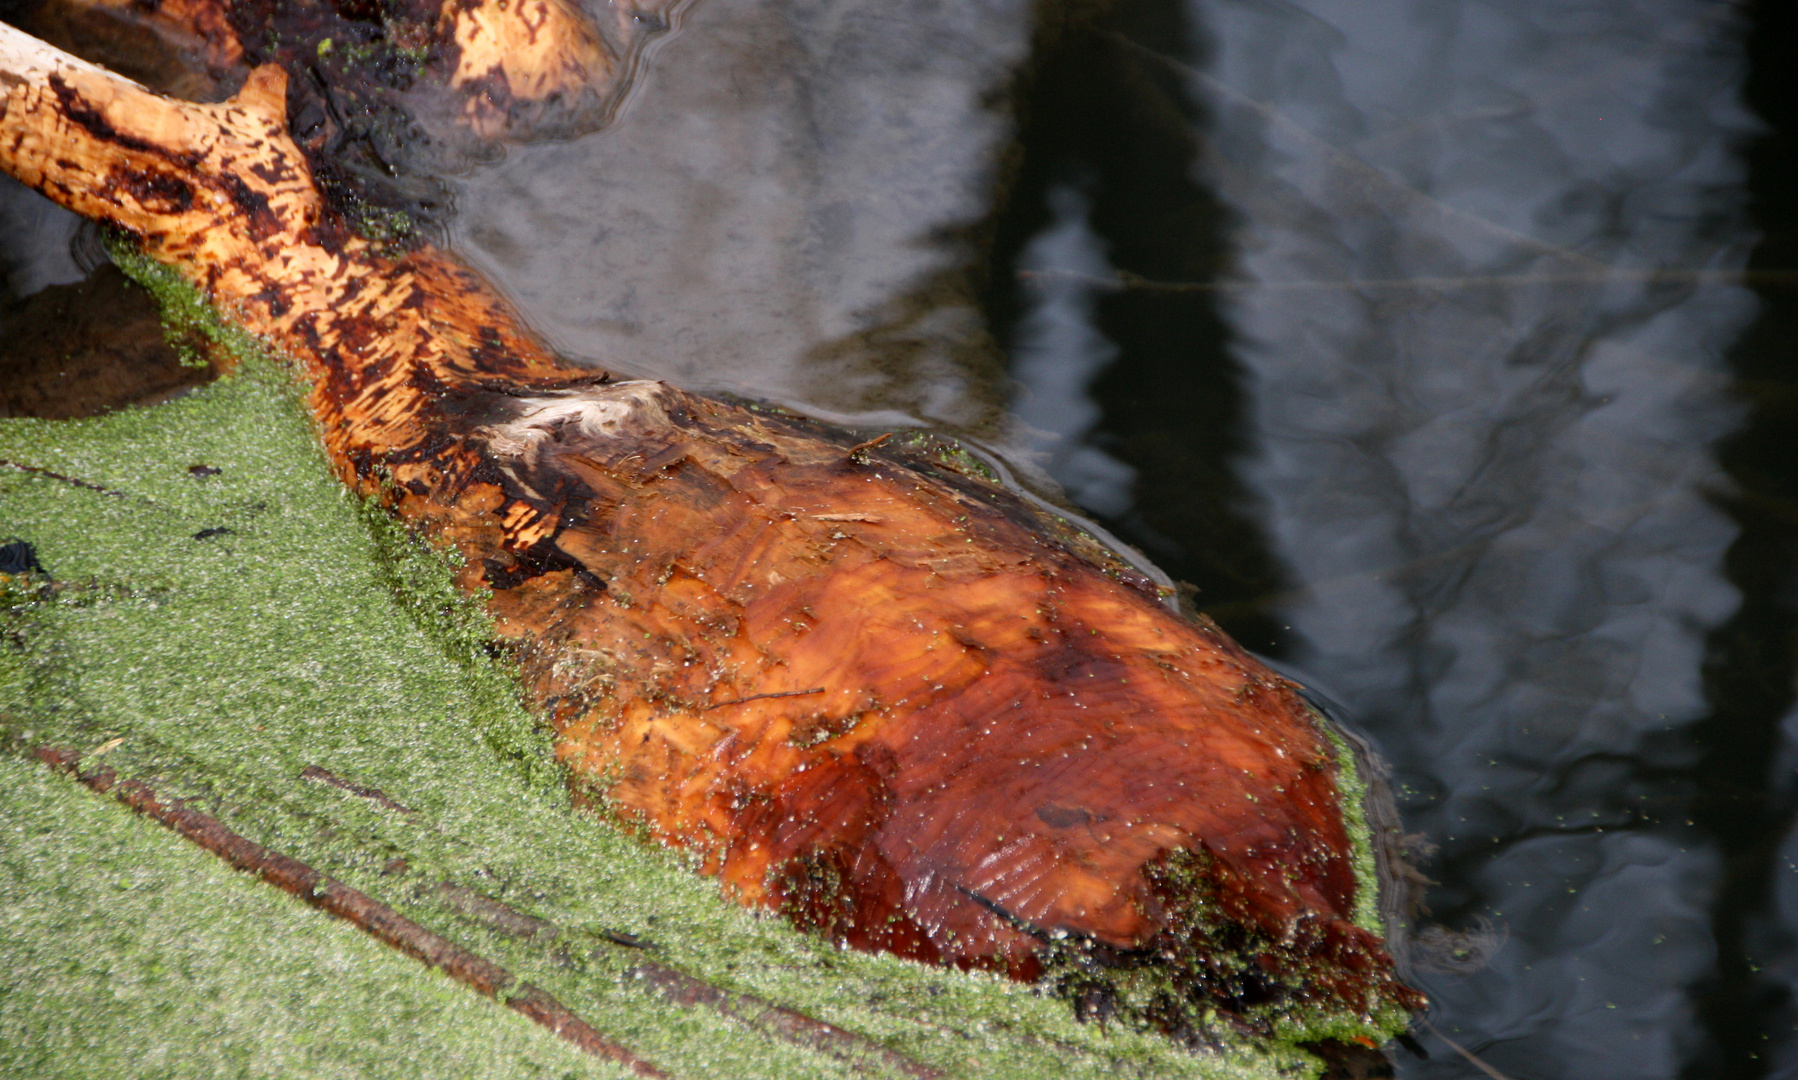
865,685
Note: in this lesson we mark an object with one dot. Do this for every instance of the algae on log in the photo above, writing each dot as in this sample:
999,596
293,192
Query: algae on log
862,683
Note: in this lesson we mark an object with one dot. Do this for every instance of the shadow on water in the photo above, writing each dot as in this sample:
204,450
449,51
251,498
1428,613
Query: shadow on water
1747,795
1129,399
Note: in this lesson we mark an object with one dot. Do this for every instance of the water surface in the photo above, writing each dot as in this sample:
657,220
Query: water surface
787,208
1477,298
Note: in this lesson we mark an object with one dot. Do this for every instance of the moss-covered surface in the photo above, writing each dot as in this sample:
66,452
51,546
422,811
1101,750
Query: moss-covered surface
1355,792
214,631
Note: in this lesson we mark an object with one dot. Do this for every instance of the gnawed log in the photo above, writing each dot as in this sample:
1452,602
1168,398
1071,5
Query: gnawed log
182,47
495,67
863,683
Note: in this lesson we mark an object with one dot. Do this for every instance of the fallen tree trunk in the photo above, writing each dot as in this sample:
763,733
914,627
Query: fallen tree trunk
863,683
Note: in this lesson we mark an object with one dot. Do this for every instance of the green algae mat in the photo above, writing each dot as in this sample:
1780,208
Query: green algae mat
216,616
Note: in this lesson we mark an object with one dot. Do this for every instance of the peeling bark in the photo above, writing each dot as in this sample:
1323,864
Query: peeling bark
863,683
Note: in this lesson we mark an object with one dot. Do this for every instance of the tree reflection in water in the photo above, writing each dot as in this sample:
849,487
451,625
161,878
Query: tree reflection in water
1487,276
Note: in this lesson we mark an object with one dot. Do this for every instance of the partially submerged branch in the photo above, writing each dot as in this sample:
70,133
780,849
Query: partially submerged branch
863,683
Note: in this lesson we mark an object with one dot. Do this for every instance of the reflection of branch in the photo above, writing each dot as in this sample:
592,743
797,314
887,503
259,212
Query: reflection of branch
1354,166
1312,592
1125,281
1316,590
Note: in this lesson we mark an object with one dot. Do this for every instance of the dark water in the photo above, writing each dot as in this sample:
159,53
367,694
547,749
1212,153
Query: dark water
1484,311
789,208
1446,349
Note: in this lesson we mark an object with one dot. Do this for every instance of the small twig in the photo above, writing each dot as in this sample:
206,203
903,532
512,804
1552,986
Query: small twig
859,452
783,1023
1124,281
492,913
377,919
758,697
993,907
508,920
374,795
1472,1059
37,470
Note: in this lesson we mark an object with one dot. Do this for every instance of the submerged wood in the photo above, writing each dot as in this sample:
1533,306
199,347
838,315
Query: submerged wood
513,68
864,684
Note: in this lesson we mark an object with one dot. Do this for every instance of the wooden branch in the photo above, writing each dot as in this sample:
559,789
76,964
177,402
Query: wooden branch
782,1023
866,685
525,50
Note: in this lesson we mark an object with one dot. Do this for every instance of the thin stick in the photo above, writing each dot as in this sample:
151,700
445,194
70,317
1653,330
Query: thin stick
375,918
1124,281
1472,1059
759,697
372,794
36,470
680,988
783,1023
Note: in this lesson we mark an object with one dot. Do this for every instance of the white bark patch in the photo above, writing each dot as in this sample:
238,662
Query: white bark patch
621,410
